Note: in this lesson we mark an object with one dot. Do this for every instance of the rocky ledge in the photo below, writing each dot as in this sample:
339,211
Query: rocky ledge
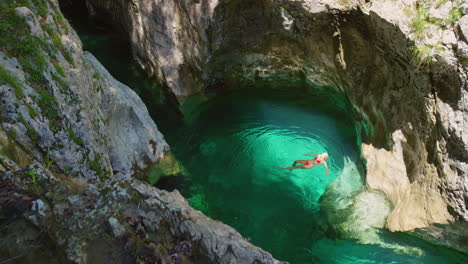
124,217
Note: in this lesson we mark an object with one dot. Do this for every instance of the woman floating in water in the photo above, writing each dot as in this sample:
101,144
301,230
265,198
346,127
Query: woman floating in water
309,164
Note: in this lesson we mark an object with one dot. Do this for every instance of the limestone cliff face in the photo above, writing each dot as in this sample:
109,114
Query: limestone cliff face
63,106
168,37
407,85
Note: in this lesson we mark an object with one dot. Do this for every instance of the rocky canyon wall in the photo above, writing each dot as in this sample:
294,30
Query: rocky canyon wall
167,37
407,86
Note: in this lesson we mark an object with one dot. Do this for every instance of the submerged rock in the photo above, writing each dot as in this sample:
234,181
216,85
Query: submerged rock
452,235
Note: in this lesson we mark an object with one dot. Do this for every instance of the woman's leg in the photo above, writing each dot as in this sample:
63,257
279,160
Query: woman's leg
295,167
299,161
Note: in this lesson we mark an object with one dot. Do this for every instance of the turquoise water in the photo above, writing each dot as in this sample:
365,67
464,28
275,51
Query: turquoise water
231,147
233,150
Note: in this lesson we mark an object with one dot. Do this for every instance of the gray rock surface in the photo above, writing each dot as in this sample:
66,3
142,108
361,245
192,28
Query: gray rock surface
168,37
129,213
91,124
220,243
463,24
134,139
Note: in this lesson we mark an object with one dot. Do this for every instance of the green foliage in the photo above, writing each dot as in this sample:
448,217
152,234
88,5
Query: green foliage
32,112
12,134
61,82
48,162
32,174
46,103
55,39
21,119
97,75
420,22
7,78
423,55
420,16
58,68
35,67
67,170
58,45
15,3
41,7
16,41
455,15
74,138
95,165
439,3
97,125
32,134
59,19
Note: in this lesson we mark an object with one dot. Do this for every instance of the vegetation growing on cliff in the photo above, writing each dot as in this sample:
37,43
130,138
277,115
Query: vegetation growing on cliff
18,42
74,138
95,165
7,78
58,45
30,132
422,22
32,51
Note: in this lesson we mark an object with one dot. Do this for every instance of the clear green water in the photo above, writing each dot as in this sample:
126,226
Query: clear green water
233,150
231,147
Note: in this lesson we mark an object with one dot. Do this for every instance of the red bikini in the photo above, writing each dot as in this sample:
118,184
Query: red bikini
317,160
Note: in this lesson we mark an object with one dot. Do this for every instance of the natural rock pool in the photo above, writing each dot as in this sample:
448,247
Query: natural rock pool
232,150
231,146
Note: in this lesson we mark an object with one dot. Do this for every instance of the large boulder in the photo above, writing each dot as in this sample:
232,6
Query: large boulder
134,139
